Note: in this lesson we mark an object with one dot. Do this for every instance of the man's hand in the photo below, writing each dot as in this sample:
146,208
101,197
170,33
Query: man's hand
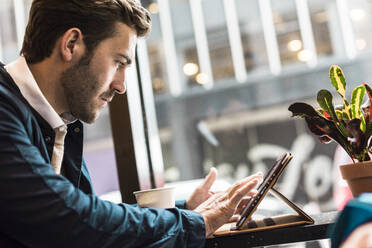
202,192
361,237
243,203
220,207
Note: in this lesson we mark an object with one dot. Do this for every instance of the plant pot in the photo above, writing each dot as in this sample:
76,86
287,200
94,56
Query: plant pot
358,176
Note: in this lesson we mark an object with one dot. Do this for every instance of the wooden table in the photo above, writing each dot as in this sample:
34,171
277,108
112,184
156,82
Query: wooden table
278,236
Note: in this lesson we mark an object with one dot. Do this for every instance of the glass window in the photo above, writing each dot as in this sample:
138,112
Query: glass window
99,154
288,32
8,34
218,39
321,14
243,128
360,12
252,37
185,43
27,4
156,53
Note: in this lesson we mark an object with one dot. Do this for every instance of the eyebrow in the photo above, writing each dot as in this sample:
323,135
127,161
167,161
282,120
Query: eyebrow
126,57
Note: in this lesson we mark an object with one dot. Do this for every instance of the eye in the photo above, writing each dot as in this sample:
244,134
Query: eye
120,64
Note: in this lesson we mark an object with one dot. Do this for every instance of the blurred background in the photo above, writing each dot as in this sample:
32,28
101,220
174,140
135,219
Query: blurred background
222,74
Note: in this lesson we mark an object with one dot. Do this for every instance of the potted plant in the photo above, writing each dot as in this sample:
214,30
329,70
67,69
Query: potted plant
349,124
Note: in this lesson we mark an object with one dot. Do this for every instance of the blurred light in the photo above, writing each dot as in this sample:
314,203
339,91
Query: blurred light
277,17
294,45
304,55
158,84
172,174
201,78
154,8
190,69
361,44
357,14
321,17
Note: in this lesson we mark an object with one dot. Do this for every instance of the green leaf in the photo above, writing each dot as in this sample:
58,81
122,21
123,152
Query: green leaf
339,114
324,99
356,101
363,121
338,79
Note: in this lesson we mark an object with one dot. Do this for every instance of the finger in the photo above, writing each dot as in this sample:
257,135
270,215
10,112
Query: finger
243,191
243,202
253,192
244,181
234,218
210,193
209,179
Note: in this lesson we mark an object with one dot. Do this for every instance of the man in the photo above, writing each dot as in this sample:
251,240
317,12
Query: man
73,61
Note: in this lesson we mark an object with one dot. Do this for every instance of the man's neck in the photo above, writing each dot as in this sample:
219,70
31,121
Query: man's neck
47,76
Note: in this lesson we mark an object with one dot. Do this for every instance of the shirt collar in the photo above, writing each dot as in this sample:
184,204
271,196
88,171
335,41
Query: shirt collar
30,90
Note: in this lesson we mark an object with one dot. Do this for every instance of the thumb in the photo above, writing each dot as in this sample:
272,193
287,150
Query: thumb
209,179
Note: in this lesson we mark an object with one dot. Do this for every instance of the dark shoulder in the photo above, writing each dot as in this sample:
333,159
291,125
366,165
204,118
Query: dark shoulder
11,99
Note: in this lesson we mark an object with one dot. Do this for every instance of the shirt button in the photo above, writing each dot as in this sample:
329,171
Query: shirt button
48,139
76,130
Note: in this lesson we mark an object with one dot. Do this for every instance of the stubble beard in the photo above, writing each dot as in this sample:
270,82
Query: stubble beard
80,88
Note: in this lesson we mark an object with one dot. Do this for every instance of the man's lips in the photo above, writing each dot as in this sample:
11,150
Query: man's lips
107,99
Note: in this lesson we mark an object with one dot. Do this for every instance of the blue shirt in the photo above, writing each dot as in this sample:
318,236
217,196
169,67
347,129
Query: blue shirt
42,209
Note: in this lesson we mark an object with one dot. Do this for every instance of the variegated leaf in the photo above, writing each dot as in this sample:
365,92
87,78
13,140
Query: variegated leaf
356,101
363,121
338,79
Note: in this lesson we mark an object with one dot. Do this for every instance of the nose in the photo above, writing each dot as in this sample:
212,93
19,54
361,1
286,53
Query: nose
118,84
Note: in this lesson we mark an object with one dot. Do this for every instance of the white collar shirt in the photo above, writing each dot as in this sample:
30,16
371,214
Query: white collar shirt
22,76
30,90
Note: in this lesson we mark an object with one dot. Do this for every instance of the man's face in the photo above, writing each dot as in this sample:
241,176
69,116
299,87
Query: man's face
93,81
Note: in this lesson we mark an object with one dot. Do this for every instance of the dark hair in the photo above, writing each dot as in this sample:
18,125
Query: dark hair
50,19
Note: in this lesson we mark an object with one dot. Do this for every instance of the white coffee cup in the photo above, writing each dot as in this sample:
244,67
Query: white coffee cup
156,198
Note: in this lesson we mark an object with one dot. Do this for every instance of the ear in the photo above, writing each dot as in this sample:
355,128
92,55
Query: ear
71,45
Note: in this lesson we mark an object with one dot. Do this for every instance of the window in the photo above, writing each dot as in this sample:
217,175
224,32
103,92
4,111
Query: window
360,14
8,34
252,36
261,56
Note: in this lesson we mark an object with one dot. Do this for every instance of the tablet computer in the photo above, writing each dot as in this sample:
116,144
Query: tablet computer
270,179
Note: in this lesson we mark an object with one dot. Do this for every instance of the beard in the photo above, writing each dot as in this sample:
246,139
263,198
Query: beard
81,88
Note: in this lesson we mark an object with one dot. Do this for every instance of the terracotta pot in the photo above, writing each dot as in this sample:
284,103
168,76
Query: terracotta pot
358,176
